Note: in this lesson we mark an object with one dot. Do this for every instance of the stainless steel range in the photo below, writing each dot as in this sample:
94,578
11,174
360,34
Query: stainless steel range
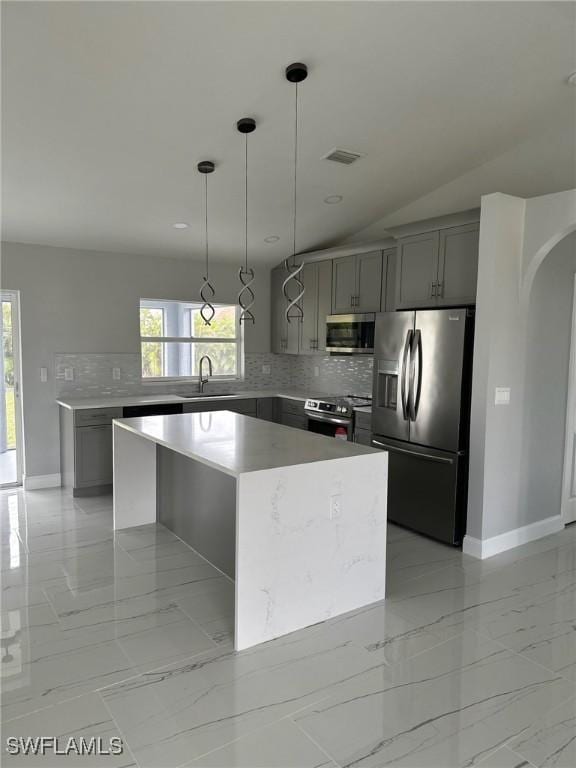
333,416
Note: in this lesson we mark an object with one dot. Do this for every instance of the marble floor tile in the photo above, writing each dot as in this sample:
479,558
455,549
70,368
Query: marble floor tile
383,631
467,662
183,711
83,718
505,758
164,644
281,745
550,742
213,610
445,708
55,677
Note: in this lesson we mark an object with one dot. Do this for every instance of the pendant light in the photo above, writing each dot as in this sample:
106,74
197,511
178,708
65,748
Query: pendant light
246,274
207,292
295,73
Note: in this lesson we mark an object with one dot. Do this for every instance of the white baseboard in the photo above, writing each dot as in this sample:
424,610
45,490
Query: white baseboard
483,548
35,482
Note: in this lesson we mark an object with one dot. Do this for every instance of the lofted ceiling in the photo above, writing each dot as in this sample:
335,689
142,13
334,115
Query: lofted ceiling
108,106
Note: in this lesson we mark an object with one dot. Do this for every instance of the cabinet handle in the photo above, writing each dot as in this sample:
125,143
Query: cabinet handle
440,290
433,289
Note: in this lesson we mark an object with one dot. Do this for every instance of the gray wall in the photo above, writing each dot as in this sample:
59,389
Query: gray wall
87,302
549,336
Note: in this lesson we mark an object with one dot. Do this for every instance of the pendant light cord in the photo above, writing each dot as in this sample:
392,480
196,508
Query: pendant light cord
206,219
295,175
246,201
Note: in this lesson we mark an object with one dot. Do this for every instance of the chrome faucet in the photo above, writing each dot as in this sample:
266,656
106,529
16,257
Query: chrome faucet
201,379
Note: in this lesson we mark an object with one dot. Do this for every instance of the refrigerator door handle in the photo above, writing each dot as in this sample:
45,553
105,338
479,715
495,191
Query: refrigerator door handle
395,449
415,375
403,374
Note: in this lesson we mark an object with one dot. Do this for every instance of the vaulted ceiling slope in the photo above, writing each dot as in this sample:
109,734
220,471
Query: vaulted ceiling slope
107,108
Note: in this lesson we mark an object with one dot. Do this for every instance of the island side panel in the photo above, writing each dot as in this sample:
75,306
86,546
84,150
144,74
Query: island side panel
134,491
311,544
198,503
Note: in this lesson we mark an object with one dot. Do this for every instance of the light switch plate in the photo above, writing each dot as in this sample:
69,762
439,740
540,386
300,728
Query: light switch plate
43,375
69,374
116,374
266,369
502,396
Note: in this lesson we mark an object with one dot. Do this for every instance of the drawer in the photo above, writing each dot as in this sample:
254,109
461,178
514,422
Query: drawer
363,420
93,417
295,407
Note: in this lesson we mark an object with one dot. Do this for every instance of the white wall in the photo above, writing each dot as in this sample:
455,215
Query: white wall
86,301
521,342
541,165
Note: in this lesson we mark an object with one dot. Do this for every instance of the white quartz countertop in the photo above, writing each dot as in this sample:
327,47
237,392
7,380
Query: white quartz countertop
75,404
235,444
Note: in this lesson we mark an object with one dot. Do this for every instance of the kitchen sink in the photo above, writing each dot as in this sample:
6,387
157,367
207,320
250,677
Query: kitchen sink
209,394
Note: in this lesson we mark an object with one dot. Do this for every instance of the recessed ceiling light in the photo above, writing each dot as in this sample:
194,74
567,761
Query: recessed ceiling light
180,225
333,199
571,79
271,239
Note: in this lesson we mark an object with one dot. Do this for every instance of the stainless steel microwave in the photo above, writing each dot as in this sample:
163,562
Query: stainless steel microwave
350,334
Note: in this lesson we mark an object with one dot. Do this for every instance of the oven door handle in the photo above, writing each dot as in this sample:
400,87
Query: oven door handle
329,419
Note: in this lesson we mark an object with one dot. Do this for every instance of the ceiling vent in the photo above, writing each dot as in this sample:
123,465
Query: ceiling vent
343,156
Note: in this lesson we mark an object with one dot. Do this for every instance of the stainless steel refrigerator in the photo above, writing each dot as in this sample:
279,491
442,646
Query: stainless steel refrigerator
421,415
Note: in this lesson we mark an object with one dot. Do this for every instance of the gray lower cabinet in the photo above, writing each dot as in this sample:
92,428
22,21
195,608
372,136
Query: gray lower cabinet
93,456
437,268
317,304
291,413
356,283
285,336
363,436
86,449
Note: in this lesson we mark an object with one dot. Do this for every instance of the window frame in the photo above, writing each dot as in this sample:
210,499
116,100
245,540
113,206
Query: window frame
238,340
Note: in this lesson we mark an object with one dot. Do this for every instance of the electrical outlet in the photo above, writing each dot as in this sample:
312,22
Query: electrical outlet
116,374
69,374
335,506
266,369
44,375
502,396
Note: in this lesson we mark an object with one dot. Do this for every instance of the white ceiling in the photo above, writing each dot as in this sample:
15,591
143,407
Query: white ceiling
107,108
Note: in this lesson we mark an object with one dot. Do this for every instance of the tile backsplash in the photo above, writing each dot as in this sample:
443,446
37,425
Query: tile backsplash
92,375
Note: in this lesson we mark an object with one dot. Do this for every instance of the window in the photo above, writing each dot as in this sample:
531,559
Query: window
173,338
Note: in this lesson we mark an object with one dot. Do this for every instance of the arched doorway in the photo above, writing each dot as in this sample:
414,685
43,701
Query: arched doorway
549,429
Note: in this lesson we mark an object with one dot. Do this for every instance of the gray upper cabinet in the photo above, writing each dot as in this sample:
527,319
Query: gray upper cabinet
317,279
356,283
343,285
285,335
458,266
368,292
437,268
388,295
417,270
310,307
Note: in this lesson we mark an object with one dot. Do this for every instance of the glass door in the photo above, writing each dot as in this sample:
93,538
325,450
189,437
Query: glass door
10,408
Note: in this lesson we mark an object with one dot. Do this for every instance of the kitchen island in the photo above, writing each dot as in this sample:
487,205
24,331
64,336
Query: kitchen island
297,520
